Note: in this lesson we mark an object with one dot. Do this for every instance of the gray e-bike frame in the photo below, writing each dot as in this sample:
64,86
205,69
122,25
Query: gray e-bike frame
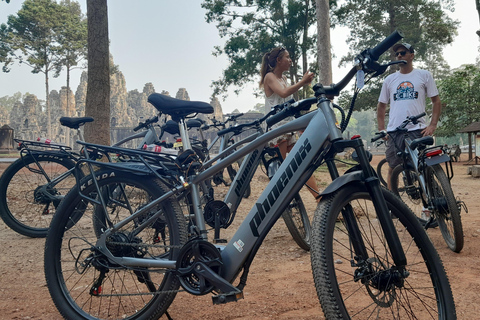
296,169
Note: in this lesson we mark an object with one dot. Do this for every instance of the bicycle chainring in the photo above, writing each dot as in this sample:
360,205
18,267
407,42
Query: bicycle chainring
193,256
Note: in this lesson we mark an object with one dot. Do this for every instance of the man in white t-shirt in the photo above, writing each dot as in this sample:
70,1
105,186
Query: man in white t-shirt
406,91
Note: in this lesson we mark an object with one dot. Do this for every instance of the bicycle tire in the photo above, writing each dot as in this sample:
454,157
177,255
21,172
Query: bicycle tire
295,216
73,265
23,206
413,196
347,291
445,208
298,223
382,172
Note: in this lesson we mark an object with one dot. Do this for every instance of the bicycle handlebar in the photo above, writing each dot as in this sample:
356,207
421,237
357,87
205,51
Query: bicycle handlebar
290,109
146,123
366,60
383,46
239,128
412,119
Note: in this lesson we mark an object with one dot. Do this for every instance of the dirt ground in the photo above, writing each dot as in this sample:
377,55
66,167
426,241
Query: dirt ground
280,284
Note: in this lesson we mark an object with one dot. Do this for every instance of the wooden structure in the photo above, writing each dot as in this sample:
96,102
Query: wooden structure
473,127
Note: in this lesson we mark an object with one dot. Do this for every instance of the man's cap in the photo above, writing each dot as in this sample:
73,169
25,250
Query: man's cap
405,45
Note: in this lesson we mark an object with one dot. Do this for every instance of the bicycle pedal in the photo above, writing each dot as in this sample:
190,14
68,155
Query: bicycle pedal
227,297
220,241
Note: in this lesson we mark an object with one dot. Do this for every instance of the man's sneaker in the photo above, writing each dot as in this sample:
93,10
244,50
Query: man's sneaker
425,214
427,220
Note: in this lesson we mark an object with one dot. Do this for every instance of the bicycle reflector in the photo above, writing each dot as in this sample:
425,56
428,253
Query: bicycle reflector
434,153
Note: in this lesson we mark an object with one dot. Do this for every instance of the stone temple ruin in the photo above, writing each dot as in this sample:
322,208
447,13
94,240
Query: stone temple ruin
28,121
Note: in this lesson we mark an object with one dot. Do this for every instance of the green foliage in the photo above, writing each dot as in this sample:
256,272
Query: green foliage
460,100
30,35
44,35
424,23
253,27
72,37
7,102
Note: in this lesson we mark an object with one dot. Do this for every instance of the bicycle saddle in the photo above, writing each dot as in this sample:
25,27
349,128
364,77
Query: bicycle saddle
74,122
426,141
172,126
178,108
195,123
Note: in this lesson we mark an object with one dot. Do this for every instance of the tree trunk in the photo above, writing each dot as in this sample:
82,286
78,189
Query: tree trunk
49,119
323,42
304,45
98,87
477,2
69,112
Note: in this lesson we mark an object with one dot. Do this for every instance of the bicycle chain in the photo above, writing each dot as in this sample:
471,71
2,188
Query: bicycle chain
145,293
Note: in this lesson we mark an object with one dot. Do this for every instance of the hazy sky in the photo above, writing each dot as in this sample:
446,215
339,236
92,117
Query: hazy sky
168,43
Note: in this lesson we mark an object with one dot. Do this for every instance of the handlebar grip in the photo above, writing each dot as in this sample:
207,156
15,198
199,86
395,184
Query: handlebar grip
278,117
383,46
379,135
235,116
140,126
414,119
223,131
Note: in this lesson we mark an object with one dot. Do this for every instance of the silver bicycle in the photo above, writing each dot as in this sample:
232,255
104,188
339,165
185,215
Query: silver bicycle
364,262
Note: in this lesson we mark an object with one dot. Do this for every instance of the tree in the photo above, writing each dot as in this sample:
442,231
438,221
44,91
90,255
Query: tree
29,38
98,87
72,40
324,52
424,23
7,102
460,99
253,27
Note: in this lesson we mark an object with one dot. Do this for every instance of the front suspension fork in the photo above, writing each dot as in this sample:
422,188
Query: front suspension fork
383,213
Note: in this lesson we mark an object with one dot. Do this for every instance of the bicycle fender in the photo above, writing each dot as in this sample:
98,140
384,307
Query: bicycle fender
137,167
437,159
342,181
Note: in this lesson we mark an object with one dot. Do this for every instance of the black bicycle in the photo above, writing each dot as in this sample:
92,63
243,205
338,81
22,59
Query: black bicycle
422,183
33,186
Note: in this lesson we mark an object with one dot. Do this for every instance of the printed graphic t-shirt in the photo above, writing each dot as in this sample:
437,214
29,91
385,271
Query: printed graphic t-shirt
406,94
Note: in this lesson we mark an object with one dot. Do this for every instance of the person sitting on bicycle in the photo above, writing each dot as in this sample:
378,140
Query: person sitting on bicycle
277,91
406,91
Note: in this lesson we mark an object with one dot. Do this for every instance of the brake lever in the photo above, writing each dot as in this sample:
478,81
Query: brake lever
383,67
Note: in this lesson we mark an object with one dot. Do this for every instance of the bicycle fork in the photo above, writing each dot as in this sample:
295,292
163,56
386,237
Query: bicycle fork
383,213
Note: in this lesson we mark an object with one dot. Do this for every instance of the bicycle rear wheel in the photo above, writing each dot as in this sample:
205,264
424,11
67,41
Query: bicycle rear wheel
298,223
28,199
354,287
411,194
86,283
382,171
445,208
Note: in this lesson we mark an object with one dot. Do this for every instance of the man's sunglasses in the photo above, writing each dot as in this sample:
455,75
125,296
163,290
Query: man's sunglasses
400,53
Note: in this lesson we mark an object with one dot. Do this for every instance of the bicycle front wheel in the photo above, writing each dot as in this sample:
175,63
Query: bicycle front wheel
31,189
83,280
353,287
445,208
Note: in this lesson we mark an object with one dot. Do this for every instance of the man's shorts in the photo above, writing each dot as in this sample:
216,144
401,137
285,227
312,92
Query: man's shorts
399,139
